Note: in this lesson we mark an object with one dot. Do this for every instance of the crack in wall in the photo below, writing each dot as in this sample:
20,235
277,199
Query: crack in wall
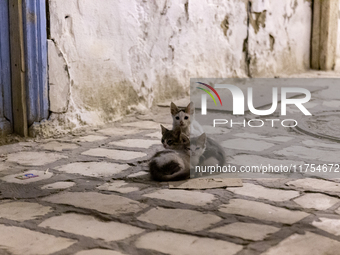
259,21
186,7
225,25
246,42
272,42
66,68
165,8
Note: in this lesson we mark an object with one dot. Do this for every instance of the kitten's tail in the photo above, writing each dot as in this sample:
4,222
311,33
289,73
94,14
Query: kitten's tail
181,174
177,173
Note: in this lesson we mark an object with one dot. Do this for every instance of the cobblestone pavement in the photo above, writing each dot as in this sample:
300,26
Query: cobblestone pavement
93,195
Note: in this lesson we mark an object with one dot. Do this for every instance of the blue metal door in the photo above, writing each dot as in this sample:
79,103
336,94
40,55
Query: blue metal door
23,30
35,37
5,71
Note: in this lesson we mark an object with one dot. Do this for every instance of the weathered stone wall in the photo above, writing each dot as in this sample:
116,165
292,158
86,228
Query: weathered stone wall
279,37
337,64
109,57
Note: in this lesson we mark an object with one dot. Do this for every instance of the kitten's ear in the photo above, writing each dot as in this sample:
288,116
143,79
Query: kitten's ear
202,139
163,129
173,109
190,109
184,138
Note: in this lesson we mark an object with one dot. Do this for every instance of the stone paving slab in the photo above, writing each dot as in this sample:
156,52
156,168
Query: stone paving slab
338,211
21,211
115,131
114,154
58,185
90,138
246,144
157,117
110,204
179,244
255,160
206,183
215,130
313,144
23,241
309,153
57,146
135,143
91,227
95,169
329,225
118,186
183,196
4,166
315,184
316,201
332,103
30,158
157,135
248,231
307,244
143,125
262,211
187,220
99,252
265,138
258,191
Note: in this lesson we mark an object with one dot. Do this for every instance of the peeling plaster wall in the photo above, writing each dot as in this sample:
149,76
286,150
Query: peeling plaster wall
337,63
279,37
123,55
59,79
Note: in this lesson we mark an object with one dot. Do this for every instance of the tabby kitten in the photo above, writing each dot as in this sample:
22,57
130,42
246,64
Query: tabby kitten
173,163
181,155
184,119
170,138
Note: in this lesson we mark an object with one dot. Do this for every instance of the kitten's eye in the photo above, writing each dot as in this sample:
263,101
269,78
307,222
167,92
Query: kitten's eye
162,140
197,148
169,142
188,149
186,117
177,118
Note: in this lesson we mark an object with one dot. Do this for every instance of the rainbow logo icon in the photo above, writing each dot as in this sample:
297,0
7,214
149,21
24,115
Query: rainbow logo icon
208,92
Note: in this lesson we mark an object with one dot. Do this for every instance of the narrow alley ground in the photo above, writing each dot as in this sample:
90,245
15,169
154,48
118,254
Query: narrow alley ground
93,195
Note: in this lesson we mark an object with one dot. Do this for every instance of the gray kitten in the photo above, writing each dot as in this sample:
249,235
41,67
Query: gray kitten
198,147
213,154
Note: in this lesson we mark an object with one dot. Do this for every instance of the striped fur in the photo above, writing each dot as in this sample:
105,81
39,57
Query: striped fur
174,162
